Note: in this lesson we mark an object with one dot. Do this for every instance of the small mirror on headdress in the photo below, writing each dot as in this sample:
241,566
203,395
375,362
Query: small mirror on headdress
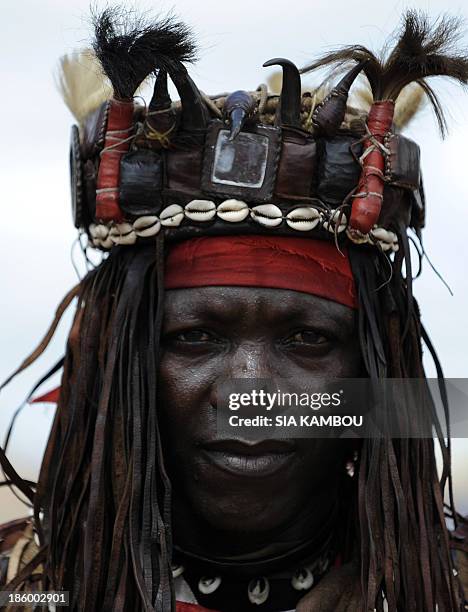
241,162
244,167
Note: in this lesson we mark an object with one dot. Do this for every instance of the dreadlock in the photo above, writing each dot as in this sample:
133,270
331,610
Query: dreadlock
102,489
404,544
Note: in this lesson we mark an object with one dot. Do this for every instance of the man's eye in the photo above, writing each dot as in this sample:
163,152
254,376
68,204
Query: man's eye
306,336
195,335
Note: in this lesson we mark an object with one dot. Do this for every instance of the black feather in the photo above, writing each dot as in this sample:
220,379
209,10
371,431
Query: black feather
130,47
423,49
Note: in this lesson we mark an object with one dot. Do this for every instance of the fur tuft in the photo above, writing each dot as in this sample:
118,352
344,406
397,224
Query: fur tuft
275,82
82,84
422,50
410,101
130,49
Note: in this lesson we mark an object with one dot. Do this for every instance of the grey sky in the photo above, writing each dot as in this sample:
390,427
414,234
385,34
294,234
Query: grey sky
235,38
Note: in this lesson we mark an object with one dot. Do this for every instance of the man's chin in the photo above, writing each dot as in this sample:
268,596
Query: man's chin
226,515
235,505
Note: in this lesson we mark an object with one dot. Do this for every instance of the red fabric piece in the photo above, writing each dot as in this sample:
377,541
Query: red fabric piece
298,264
51,397
188,607
365,210
119,124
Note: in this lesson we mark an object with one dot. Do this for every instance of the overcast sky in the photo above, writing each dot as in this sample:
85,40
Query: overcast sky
235,38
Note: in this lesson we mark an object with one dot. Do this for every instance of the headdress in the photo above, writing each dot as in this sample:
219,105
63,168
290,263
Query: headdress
252,162
247,163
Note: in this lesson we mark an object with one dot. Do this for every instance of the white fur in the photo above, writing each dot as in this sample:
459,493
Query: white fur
82,84
410,101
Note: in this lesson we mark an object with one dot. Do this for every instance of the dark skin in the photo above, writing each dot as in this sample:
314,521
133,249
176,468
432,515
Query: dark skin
213,333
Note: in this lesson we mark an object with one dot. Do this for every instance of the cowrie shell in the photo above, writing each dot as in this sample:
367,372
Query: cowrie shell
302,579
388,240
208,585
147,226
258,590
357,237
120,229
379,233
108,243
172,216
177,570
385,246
303,219
233,211
127,239
122,233
200,210
98,231
335,217
267,214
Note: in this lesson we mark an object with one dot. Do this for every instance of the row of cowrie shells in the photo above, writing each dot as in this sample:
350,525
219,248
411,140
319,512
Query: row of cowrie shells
303,219
387,240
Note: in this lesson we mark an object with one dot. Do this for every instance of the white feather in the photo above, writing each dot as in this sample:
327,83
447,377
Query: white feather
82,84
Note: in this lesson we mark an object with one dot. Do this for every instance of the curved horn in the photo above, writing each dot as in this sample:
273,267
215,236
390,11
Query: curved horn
194,113
344,85
238,108
329,114
161,98
161,117
290,101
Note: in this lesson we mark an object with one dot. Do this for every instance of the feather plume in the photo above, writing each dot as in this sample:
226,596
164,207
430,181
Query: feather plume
410,101
82,83
422,50
130,48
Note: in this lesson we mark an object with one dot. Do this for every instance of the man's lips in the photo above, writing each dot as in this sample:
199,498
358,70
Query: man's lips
242,458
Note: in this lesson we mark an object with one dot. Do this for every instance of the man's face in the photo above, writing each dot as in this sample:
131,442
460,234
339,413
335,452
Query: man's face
212,334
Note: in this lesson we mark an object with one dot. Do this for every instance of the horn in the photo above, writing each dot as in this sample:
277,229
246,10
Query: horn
329,114
194,113
161,99
160,119
290,101
238,108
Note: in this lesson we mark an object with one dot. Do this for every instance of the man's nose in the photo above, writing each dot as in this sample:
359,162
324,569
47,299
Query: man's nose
244,361
248,361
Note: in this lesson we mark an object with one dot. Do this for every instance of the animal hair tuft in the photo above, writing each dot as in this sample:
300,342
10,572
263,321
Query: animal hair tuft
131,47
422,50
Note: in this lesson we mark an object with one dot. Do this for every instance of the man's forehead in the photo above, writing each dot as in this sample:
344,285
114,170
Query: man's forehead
235,302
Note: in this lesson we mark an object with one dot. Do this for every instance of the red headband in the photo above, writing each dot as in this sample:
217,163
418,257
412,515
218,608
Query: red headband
300,264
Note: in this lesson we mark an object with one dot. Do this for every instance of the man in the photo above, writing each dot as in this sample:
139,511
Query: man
250,236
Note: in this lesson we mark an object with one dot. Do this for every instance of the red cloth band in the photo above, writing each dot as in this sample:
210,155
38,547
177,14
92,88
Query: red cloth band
299,264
